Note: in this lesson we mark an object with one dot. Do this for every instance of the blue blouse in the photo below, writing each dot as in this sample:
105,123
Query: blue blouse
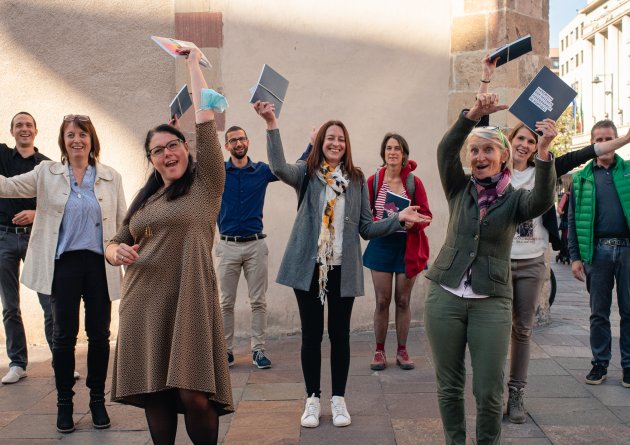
81,225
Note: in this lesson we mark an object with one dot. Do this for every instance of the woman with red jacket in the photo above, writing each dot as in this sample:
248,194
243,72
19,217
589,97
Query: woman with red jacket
399,257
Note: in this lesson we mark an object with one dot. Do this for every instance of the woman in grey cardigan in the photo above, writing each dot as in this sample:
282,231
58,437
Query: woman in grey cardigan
322,260
470,294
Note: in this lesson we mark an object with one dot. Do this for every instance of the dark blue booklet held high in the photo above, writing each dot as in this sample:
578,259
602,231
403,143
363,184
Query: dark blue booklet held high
546,96
394,203
512,50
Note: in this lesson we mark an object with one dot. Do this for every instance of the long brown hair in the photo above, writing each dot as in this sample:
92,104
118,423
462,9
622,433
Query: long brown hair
316,157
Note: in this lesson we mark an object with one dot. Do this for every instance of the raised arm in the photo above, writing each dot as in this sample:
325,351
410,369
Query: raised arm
449,163
601,148
548,129
210,167
291,174
197,82
542,195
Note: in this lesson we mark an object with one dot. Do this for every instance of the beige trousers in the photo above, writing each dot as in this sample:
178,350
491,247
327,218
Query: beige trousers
251,258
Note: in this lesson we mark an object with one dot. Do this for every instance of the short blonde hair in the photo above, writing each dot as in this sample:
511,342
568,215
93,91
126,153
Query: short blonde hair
494,134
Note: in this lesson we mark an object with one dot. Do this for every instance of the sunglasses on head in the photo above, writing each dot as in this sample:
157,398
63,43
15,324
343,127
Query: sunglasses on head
78,117
498,130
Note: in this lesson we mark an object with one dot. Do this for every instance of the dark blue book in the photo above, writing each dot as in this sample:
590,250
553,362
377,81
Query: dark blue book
546,96
394,203
512,50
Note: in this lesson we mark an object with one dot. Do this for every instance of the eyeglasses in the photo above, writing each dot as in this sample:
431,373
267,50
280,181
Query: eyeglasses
235,141
158,151
498,130
78,117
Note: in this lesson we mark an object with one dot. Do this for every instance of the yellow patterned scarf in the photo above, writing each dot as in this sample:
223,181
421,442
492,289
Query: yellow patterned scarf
335,185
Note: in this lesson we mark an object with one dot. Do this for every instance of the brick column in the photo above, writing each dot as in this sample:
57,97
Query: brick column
480,26
195,23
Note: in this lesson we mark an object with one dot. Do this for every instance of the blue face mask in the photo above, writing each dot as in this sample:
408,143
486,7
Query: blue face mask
211,100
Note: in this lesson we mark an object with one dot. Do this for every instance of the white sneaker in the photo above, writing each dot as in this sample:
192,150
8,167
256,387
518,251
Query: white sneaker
14,375
340,414
312,409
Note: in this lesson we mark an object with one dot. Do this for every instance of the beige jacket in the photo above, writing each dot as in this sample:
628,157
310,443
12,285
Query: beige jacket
49,182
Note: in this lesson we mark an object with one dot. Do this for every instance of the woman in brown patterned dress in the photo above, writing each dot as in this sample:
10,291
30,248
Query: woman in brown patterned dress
170,355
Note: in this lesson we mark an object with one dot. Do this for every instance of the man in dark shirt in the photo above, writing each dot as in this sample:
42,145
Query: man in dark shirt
16,219
242,245
599,246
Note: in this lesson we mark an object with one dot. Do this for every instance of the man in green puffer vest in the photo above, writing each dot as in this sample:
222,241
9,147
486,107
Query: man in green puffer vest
599,246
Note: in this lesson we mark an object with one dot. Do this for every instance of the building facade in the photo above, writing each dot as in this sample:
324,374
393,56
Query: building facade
595,61
408,66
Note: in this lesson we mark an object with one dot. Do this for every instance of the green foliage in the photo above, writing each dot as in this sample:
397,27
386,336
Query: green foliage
566,129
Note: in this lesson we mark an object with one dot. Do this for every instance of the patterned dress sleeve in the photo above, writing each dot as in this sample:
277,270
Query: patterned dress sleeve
122,236
210,166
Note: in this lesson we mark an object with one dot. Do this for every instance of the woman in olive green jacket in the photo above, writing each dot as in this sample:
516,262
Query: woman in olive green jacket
470,294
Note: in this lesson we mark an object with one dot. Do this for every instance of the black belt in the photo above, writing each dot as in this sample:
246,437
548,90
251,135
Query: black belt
243,239
15,229
624,242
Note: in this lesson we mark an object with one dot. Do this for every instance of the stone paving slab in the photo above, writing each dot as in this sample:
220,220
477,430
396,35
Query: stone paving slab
387,407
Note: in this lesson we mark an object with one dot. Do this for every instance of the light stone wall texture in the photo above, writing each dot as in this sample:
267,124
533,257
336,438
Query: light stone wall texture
405,66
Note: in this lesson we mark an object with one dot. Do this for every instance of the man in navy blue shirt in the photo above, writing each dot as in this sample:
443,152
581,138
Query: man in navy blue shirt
242,243
16,220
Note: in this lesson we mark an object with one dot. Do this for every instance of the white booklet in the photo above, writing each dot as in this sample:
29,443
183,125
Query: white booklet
172,45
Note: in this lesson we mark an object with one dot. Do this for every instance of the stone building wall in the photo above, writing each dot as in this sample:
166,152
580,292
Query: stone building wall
405,66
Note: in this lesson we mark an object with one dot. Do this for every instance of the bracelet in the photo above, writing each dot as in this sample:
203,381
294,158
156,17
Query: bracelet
484,81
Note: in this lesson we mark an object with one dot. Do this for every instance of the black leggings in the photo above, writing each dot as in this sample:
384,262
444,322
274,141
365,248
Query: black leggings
312,318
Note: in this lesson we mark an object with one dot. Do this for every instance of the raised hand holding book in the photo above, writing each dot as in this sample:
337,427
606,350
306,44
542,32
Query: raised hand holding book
512,50
171,46
546,96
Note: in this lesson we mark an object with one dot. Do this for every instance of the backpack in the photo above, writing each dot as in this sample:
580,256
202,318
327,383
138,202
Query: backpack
410,185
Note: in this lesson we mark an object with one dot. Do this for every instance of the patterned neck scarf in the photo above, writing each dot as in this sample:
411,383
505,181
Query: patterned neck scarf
334,185
489,189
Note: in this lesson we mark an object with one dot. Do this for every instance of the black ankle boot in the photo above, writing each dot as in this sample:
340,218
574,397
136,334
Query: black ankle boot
100,419
65,422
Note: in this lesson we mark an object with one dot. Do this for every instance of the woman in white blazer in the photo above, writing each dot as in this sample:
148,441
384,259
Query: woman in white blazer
80,205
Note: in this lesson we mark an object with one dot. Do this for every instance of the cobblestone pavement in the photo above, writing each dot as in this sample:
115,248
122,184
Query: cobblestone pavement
387,407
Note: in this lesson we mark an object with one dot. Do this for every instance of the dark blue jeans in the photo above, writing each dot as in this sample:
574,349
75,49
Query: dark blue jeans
13,250
610,264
